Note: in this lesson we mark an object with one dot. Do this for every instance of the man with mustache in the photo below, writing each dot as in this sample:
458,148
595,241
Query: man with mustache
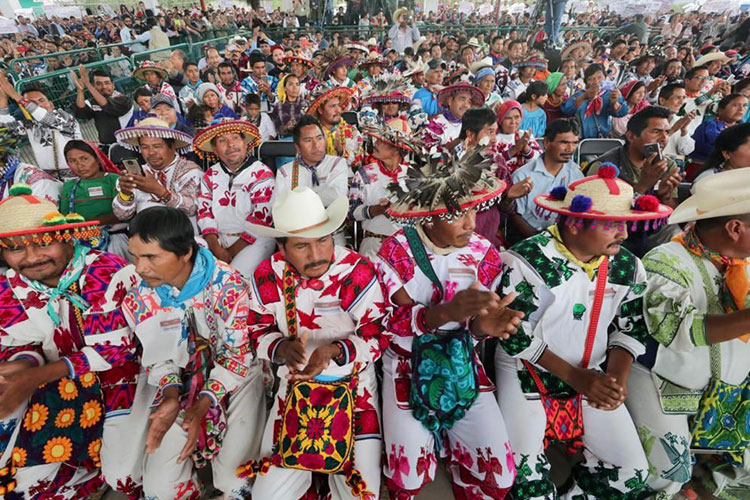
317,311
442,131
439,276
68,363
582,295
203,384
235,191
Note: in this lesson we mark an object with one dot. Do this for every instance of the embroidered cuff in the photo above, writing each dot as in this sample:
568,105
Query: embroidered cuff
419,319
367,213
214,390
169,380
348,352
272,349
209,231
78,364
35,358
249,238
698,331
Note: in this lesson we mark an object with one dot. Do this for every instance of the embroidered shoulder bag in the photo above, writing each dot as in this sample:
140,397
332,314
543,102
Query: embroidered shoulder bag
724,409
565,415
317,424
444,381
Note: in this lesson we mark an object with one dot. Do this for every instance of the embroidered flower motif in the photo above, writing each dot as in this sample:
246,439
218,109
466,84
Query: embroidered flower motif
65,418
68,389
92,412
58,449
321,396
19,457
36,417
87,379
94,448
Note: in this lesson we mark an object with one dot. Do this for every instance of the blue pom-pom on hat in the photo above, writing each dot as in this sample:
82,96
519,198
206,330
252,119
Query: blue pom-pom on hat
558,193
580,204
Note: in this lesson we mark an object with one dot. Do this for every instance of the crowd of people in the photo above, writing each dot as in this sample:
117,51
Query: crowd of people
428,267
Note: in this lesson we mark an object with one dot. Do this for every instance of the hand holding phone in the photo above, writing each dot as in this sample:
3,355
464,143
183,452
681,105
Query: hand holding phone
651,149
132,166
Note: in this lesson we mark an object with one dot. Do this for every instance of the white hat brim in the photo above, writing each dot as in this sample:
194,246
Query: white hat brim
688,211
336,212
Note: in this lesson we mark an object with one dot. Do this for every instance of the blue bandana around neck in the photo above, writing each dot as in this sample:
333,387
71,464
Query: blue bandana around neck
200,276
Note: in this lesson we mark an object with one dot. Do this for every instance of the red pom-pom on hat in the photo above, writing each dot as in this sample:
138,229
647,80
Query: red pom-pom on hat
647,203
608,171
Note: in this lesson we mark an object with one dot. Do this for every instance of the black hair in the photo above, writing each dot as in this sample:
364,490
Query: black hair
513,43
617,42
591,70
224,64
80,146
37,87
475,119
186,64
141,92
101,73
729,140
639,121
252,99
304,121
536,88
561,126
741,85
667,91
255,58
495,38
169,227
690,74
728,99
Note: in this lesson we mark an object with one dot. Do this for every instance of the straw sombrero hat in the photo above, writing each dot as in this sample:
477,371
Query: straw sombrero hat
719,195
374,59
713,56
323,94
573,46
402,11
445,188
481,64
302,60
299,213
26,220
140,71
477,97
395,132
602,197
152,127
203,141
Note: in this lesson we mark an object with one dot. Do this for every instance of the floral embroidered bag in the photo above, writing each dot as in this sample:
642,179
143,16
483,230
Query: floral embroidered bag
565,414
317,426
444,382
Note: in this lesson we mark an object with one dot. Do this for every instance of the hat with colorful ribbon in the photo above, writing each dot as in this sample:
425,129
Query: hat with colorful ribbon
25,220
446,188
297,59
477,97
152,127
146,66
603,197
324,93
335,57
203,141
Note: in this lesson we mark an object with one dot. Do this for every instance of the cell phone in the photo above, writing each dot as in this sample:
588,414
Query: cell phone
132,166
650,149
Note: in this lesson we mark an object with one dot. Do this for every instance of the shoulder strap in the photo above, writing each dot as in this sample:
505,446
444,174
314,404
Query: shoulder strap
601,285
420,256
295,174
289,288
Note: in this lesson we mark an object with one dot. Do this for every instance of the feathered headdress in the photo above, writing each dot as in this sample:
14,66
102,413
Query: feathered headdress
390,88
333,57
446,187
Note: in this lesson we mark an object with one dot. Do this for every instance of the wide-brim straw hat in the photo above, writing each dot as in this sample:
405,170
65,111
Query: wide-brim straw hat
26,220
477,97
481,64
152,127
713,56
140,71
343,93
401,11
300,213
302,60
719,195
576,45
602,196
203,141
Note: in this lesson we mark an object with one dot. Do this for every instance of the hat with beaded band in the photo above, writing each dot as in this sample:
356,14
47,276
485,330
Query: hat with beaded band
25,220
602,197
203,141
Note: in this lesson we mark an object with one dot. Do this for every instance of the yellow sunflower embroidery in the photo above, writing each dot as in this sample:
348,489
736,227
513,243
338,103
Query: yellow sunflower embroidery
87,379
92,412
94,448
68,389
36,417
58,449
19,457
65,418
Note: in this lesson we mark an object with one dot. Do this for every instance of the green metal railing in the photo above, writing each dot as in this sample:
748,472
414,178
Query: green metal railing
42,57
157,55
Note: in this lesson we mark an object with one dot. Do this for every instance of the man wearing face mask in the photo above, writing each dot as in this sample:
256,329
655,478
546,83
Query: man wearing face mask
110,110
442,131
318,311
236,191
